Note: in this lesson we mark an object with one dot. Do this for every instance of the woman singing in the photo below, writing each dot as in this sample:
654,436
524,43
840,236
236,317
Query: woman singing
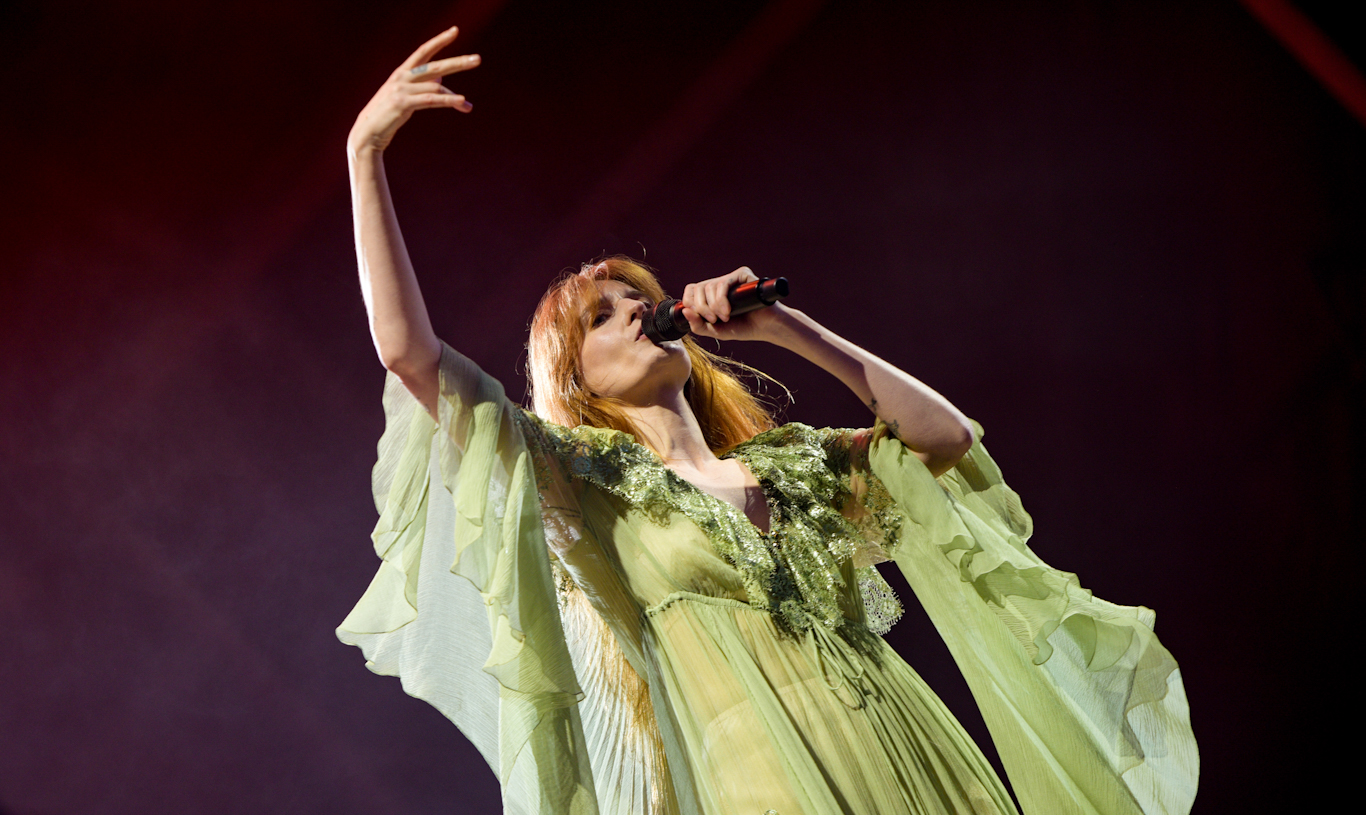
646,597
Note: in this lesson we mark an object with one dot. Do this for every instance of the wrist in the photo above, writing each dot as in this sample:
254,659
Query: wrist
362,149
788,327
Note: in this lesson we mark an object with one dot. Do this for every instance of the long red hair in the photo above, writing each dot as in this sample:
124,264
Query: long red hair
726,410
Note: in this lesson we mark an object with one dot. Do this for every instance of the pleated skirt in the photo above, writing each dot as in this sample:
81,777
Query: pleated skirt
832,722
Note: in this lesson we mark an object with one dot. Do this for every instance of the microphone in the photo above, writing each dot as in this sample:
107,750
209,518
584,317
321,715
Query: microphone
665,321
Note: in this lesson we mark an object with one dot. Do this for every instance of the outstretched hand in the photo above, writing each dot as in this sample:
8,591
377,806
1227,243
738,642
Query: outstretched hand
707,309
415,85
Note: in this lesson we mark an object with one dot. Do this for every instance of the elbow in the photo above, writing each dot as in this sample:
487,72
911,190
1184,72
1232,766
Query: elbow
408,368
406,358
959,444
393,361
967,436
950,451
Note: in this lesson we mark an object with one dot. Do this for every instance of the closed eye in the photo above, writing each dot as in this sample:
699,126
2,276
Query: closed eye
605,314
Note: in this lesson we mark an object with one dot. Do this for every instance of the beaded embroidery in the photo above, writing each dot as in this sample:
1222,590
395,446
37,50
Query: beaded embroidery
817,521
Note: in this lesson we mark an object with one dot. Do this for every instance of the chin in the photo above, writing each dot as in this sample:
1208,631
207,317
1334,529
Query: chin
679,369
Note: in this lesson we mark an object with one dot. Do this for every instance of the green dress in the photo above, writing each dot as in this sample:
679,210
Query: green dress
614,640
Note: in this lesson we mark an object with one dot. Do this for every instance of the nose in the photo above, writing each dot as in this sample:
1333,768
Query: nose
635,309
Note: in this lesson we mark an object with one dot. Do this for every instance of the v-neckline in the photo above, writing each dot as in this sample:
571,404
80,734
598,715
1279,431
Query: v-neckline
650,458
763,494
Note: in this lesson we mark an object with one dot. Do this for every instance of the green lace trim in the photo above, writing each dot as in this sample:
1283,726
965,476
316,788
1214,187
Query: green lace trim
794,571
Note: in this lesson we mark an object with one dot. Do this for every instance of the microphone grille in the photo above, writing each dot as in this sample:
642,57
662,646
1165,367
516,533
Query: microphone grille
663,323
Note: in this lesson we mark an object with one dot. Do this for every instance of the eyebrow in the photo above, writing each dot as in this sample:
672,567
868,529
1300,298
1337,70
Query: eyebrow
631,294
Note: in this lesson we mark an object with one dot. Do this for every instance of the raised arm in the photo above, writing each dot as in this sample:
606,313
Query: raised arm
399,323
927,423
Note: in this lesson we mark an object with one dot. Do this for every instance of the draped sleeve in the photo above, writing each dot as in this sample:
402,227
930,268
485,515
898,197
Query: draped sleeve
463,607
1086,707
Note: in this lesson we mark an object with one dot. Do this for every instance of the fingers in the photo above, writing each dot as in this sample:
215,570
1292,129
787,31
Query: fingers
421,83
406,97
429,48
414,85
445,67
710,299
718,295
425,87
700,326
440,99
706,301
741,328
695,302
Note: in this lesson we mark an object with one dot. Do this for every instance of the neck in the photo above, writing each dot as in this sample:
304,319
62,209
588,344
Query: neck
671,430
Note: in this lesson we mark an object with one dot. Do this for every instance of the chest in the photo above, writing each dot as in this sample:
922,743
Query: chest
732,482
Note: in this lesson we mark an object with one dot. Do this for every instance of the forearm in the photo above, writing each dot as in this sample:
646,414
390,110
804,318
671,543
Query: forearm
927,423
399,323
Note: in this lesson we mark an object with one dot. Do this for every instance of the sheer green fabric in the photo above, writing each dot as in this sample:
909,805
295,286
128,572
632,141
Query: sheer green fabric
463,606
1084,704
614,640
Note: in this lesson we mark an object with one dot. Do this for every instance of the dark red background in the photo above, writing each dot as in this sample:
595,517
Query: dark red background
1126,237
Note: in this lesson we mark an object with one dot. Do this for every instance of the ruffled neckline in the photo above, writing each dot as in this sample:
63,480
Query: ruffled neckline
793,571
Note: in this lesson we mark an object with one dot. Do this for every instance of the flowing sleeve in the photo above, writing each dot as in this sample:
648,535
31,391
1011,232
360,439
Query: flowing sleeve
1086,707
463,608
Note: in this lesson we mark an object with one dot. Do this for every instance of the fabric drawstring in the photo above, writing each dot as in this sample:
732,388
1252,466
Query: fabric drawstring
838,665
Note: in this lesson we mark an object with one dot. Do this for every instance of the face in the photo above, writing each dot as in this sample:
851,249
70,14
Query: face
618,360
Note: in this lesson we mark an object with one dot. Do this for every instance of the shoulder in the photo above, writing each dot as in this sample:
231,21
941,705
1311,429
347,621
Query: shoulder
839,447
790,435
595,454
798,458
544,427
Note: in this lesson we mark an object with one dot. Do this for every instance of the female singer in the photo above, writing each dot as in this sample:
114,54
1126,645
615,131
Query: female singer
645,597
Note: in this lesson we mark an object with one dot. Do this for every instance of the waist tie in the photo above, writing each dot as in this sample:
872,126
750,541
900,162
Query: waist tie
838,665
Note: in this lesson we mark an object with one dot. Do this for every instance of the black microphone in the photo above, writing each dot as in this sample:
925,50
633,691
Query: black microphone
665,321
